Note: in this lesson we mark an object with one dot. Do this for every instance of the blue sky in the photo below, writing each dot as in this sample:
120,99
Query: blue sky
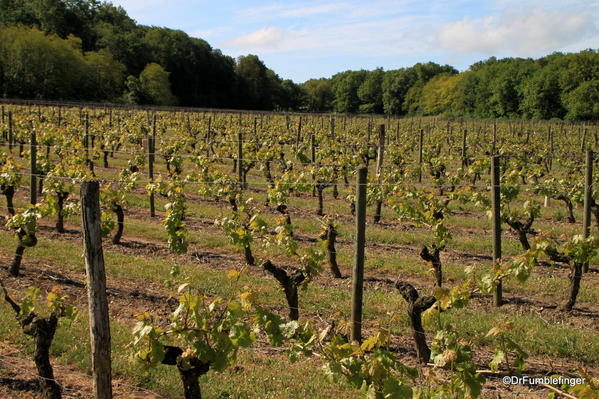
300,40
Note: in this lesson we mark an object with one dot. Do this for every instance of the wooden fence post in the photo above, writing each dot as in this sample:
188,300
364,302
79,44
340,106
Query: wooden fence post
33,167
588,197
420,145
358,272
550,144
298,139
379,170
313,160
99,326
332,128
494,143
151,150
86,144
464,149
240,157
10,132
496,211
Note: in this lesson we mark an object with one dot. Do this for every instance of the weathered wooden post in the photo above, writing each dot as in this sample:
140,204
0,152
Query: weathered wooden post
588,199
240,157
10,132
151,156
496,211
464,149
99,326
33,167
332,128
298,139
358,272
420,145
379,170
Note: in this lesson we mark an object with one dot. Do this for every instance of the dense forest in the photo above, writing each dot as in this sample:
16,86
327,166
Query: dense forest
92,50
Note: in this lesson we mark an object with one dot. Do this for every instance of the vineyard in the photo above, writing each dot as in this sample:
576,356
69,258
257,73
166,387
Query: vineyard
270,255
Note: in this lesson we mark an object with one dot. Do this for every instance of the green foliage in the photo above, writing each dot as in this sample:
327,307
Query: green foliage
440,94
519,267
506,350
425,209
154,85
583,102
260,84
369,367
56,302
370,93
25,224
9,176
449,351
213,329
108,224
345,87
319,95
175,213
35,65
578,249
62,179
244,224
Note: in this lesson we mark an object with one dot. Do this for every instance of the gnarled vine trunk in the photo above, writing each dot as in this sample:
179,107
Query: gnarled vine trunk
417,305
120,222
434,258
189,371
249,257
15,266
42,329
522,230
575,277
569,207
60,199
319,190
9,193
330,235
268,174
290,284
283,210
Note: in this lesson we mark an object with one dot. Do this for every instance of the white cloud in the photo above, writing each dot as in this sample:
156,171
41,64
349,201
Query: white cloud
529,33
210,33
376,38
278,10
261,39
309,11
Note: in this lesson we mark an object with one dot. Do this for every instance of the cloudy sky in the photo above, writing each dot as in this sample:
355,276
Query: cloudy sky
311,39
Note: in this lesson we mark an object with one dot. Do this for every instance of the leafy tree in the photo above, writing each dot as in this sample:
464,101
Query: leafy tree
542,95
345,87
440,94
583,102
370,92
255,82
395,87
319,95
154,81
35,65
290,95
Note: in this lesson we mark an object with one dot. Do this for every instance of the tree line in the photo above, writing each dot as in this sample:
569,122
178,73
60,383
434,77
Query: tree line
92,50
563,86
